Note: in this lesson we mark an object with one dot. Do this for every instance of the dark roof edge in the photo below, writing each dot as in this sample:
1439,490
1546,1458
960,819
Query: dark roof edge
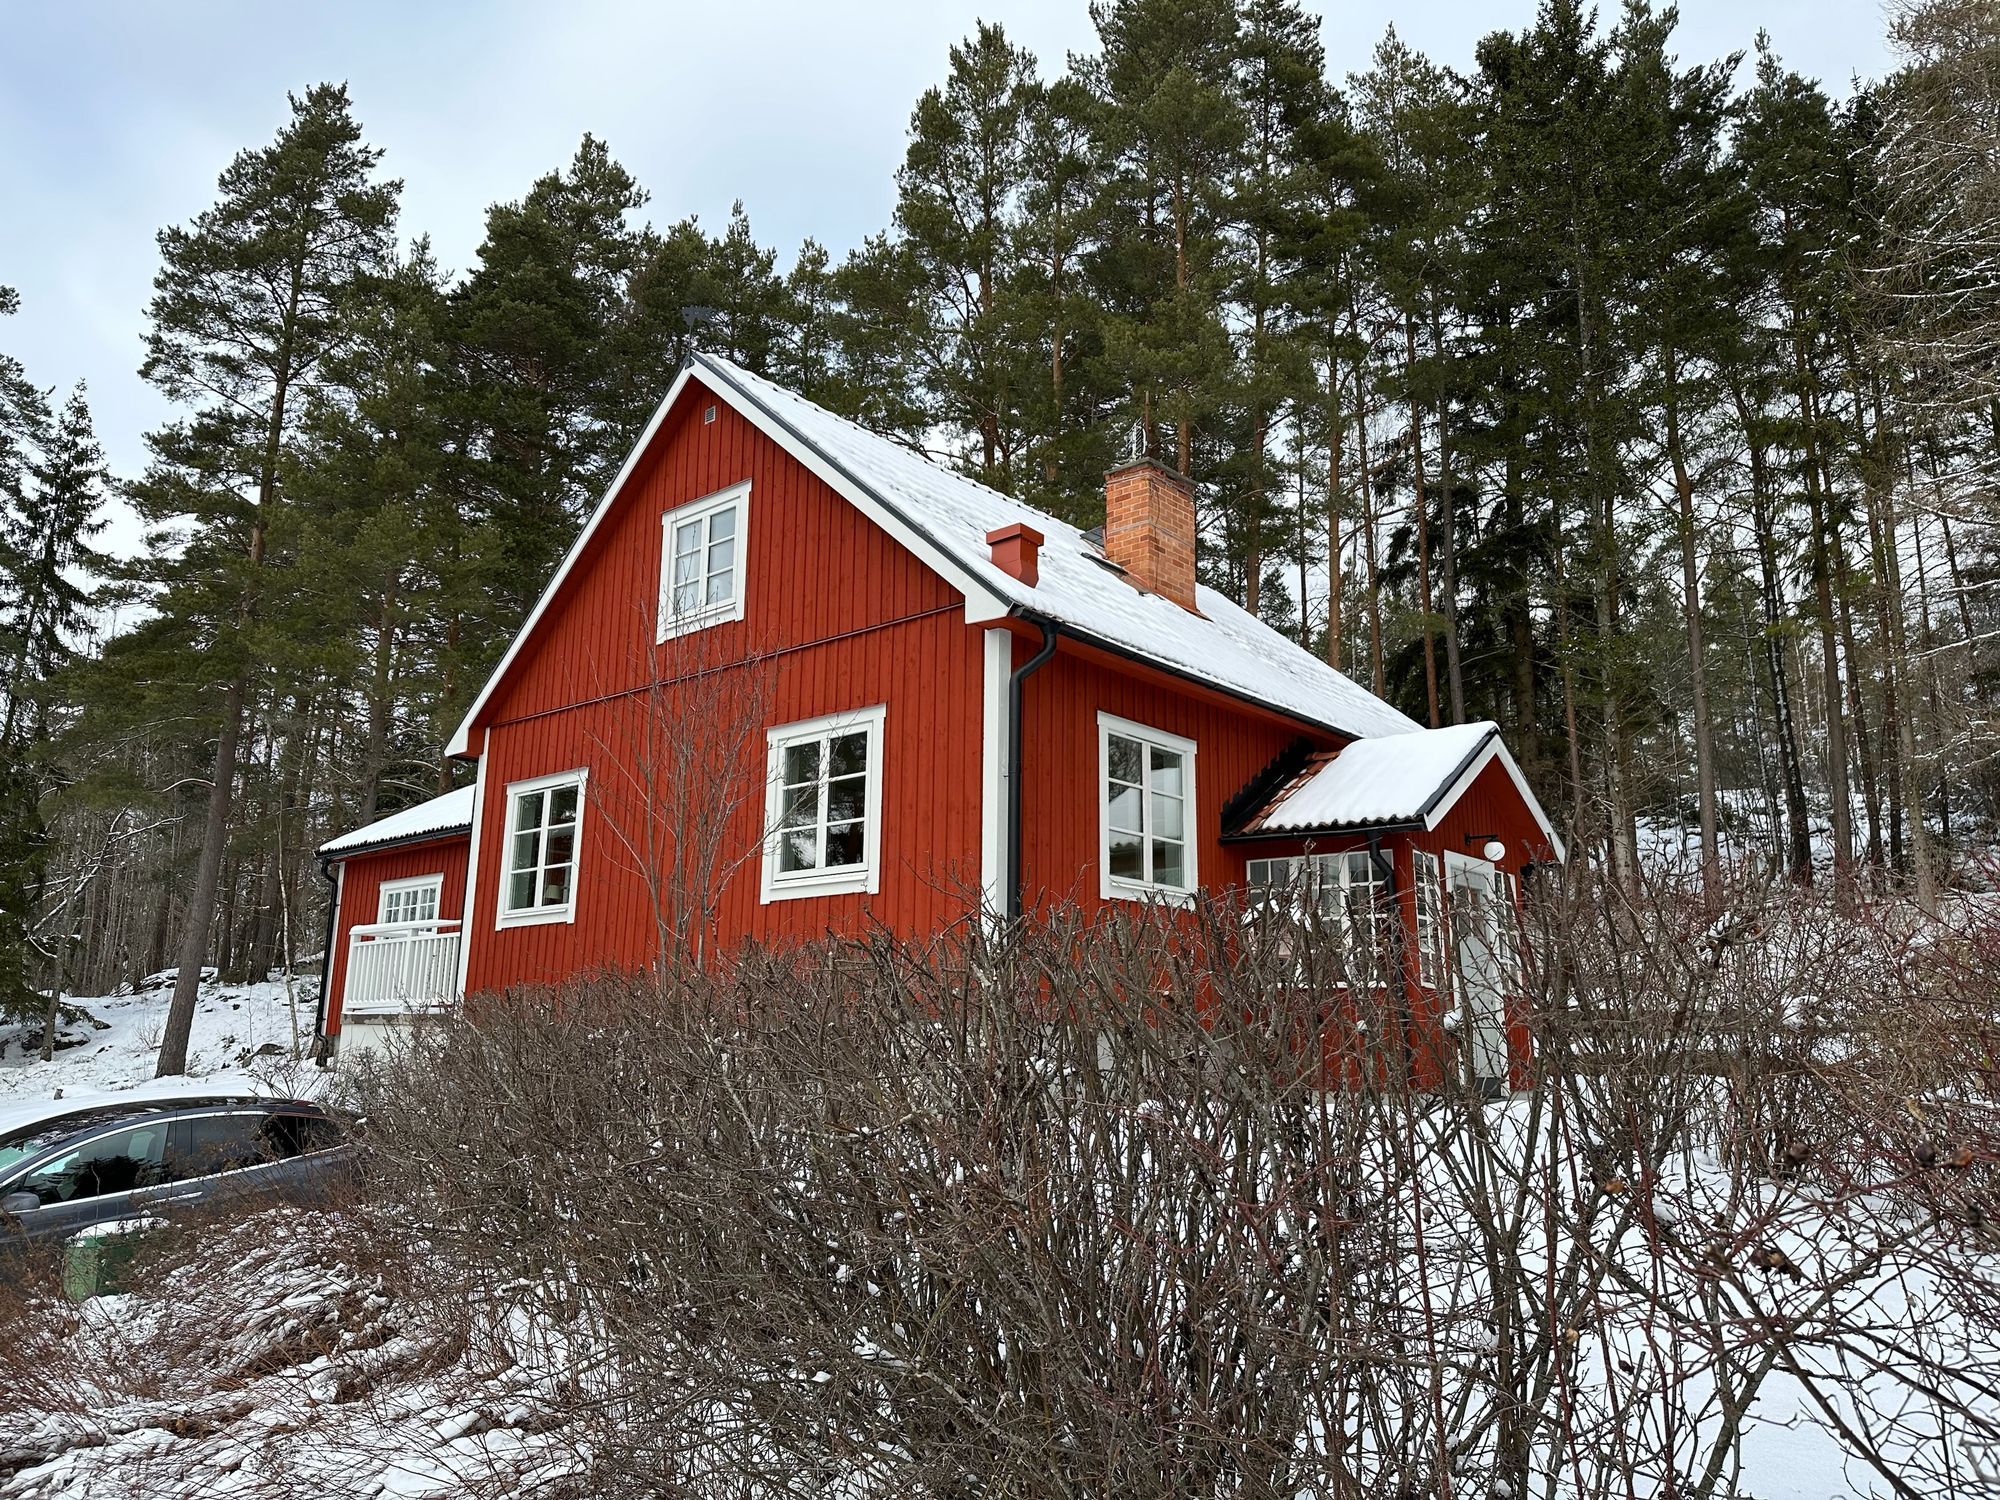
429,836
1465,764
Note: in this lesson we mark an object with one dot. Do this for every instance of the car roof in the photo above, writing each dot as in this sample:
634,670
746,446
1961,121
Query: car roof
102,1113
20,1111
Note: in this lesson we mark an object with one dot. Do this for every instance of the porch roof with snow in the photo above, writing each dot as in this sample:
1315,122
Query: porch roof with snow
440,817
1395,781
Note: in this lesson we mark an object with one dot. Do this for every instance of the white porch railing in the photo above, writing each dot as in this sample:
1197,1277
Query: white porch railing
401,966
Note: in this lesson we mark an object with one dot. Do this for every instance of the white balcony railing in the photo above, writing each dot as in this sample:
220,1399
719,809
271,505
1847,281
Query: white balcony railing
401,966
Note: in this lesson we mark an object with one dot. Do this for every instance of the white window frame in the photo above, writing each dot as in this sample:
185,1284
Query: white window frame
736,497
775,885
407,886
1427,878
1117,888
535,916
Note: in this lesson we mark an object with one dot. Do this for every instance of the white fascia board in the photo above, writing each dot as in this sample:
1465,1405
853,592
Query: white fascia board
982,601
1496,749
461,739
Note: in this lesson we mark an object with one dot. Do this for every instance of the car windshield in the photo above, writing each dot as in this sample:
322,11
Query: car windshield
17,1146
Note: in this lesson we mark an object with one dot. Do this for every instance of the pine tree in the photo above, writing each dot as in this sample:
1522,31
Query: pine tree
252,301
958,209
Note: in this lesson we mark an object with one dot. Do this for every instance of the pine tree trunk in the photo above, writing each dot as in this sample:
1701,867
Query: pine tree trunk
1421,515
1704,733
1371,554
1336,439
201,894
1454,672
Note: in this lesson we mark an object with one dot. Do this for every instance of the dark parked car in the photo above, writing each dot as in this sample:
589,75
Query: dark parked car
67,1171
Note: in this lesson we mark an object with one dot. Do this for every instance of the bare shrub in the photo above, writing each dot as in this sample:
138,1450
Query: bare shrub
1077,1213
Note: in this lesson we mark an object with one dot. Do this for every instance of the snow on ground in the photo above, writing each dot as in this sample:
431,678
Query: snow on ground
246,1037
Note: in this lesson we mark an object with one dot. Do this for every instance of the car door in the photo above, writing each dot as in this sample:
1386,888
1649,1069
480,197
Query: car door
217,1155
90,1182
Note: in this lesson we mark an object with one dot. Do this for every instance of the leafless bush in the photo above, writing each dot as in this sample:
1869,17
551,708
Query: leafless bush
1078,1213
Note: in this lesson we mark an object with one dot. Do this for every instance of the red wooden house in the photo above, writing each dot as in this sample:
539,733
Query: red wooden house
898,698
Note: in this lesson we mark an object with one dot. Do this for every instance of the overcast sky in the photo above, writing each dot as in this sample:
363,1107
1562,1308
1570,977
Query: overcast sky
116,117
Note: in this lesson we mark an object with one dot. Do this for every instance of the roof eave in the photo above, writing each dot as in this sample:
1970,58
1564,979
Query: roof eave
429,836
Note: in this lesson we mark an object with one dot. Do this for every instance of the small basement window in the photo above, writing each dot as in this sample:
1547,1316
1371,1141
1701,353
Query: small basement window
701,562
538,875
1145,811
823,822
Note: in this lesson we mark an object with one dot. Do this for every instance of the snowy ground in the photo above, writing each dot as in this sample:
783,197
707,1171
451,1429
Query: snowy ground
244,1038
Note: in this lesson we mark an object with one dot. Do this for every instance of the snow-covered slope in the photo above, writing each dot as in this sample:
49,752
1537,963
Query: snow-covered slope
244,1039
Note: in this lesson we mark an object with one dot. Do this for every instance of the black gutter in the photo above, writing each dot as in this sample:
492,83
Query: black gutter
432,836
1015,682
320,1054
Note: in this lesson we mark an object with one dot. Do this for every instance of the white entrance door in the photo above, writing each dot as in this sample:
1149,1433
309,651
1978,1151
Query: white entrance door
1478,908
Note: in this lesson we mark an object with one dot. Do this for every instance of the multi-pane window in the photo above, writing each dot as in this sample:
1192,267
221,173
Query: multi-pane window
1348,890
413,900
825,806
701,569
538,882
1427,880
1147,810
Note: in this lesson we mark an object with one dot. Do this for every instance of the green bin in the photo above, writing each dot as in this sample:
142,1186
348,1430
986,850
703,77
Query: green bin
95,1259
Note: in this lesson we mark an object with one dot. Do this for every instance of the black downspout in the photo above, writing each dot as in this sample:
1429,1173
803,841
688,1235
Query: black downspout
321,1046
1020,676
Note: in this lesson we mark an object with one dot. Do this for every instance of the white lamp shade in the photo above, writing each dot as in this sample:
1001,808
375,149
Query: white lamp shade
1494,850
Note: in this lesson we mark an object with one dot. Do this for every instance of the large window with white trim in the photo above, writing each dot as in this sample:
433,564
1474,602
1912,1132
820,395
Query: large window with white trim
411,900
823,822
538,872
701,562
1349,891
1146,811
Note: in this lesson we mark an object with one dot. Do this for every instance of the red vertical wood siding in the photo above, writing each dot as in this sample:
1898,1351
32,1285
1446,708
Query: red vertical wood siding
838,616
1060,796
362,878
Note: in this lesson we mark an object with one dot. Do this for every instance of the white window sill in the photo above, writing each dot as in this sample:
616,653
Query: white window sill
1126,890
389,1010
539,917
851,882
722,614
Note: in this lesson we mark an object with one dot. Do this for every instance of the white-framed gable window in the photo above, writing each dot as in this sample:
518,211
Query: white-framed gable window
544,830
1145,780
412,900
823,815
701,561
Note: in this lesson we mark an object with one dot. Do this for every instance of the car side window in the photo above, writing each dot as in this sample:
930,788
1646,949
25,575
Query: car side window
216,1143
116,1163
297,1135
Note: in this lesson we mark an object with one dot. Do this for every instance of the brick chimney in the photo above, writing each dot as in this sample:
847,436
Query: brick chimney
1016,551
1149,527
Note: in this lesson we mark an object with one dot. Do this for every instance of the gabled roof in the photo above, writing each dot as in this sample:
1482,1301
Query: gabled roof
437,818
1406,780
943,517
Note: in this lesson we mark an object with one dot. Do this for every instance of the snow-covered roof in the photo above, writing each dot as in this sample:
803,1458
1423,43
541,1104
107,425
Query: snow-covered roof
943,517
451,813
1396,780
1224,645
